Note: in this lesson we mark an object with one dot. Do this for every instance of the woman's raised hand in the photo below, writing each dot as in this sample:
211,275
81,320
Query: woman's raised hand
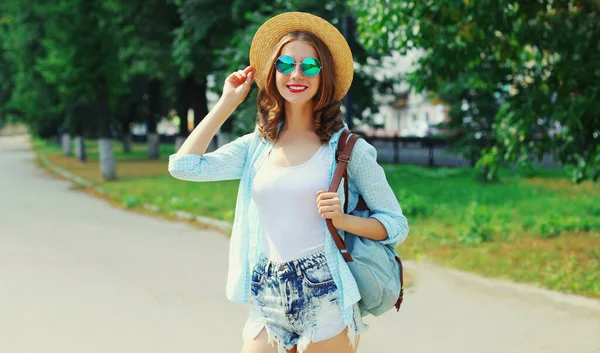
237,85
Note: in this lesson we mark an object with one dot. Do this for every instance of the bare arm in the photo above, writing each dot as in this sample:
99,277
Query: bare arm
365,227
200,138
235,90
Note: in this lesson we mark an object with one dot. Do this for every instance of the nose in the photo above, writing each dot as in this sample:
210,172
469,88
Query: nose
297,73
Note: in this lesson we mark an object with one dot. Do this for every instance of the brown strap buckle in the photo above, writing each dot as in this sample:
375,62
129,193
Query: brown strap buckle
343,158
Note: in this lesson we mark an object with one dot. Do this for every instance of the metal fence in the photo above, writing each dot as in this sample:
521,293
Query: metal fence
407,150
430,152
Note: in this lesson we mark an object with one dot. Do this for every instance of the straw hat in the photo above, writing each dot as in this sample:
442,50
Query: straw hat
271,32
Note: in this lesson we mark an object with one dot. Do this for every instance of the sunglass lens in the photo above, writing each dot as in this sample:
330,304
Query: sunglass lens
285,64
311,67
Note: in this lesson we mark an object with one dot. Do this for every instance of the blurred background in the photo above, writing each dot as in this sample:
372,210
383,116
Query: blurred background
485,114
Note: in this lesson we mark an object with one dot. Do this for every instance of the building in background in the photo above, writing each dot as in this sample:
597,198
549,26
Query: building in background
403,112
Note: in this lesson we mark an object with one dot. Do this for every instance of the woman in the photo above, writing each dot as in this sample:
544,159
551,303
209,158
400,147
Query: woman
282,258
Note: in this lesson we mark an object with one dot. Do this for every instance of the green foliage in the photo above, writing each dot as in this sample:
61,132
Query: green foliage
521,78
145,37
25,93
80,49
413,205
6,82
206,26
59,52
130,201
553,227
478,226
549,228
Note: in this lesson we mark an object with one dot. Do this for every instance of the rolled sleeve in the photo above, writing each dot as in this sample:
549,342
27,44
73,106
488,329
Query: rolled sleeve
371,183
226,163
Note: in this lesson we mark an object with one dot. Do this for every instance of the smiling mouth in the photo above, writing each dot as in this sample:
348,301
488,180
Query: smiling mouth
296,88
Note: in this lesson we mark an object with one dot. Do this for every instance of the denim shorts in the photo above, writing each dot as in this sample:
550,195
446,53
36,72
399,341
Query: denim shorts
297,303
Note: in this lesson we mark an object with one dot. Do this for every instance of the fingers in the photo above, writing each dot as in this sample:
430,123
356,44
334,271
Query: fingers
329,209
235,78
244,76
240,75
322,195
329,202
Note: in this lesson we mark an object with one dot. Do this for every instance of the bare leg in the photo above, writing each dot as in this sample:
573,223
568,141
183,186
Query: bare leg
338,344
261,344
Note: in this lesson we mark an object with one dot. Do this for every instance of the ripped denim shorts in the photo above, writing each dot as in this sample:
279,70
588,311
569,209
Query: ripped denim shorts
297,303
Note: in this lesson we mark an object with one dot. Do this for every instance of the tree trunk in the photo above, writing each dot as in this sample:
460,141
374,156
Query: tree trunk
67,144
107,159
127,143
78,115
108,166
80,148
153,139
199,103
126,138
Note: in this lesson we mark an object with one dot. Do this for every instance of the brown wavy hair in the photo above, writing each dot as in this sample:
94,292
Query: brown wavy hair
271,105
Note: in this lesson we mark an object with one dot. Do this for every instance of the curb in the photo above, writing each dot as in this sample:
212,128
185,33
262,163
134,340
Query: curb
569,303
72,177
13,134
218,225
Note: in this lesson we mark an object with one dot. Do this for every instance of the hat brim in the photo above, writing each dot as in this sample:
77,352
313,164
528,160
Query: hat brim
271,32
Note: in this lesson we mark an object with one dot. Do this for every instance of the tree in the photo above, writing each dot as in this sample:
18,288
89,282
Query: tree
205,28
513,72
80,59
145,37
30,97
7,84
6,87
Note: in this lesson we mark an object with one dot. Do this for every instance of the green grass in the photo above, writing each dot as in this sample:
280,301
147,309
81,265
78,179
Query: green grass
539,229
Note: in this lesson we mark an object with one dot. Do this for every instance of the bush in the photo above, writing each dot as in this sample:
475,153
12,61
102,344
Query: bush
131,201
594,210
549,228
478,225
413,205
553,227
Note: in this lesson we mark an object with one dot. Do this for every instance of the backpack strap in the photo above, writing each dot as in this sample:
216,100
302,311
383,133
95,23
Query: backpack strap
361,205
343,154
401,296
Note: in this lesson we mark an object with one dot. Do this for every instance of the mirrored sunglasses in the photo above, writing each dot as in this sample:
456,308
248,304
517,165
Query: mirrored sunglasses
285,64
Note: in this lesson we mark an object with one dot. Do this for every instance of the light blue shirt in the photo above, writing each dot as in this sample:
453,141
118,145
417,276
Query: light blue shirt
241,159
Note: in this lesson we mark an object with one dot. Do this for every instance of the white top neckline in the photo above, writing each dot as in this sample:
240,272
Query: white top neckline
271,165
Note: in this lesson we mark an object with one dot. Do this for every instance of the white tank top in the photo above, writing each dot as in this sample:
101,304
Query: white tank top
286,198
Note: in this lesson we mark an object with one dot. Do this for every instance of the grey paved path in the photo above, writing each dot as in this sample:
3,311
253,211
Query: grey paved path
78,276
